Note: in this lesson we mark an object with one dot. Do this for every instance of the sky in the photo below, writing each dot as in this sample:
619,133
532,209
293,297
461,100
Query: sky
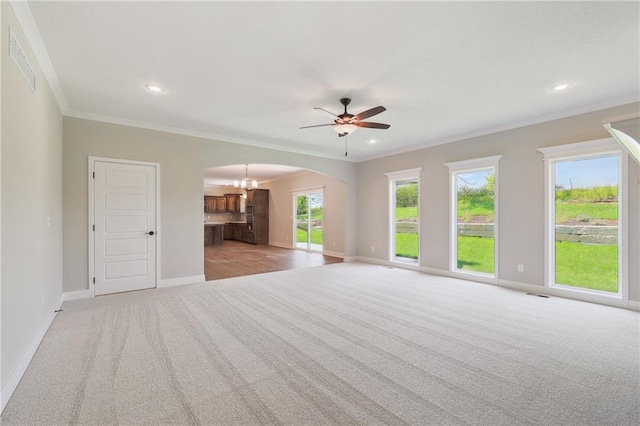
473,179
587,173
570,174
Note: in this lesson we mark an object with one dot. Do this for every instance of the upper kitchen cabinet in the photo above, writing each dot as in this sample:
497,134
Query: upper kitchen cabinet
235,203
209,204
215,204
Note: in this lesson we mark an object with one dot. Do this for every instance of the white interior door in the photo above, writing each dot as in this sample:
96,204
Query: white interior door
125,227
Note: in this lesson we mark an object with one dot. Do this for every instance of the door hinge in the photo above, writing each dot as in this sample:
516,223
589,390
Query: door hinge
94,280
94,175
94,228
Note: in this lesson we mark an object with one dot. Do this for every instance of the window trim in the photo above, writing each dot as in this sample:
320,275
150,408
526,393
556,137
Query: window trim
578,151
475,164
392,178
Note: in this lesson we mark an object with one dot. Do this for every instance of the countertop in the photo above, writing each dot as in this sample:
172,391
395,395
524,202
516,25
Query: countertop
222,223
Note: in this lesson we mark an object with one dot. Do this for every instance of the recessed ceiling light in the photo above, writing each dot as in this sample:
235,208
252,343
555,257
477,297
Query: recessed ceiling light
154,88
563,85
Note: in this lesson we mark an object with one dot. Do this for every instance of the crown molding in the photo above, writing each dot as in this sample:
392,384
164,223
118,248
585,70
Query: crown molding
611,103
196,134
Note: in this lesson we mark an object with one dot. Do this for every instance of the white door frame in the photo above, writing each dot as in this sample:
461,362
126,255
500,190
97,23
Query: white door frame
91,216
307,192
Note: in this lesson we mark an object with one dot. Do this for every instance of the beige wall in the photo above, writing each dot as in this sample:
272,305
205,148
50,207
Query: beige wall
183,160
31,191
281,209
521,195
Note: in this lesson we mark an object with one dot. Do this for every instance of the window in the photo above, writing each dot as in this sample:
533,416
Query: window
404,215
473,186
585,244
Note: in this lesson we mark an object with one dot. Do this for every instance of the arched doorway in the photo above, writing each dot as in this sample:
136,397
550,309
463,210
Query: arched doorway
265,200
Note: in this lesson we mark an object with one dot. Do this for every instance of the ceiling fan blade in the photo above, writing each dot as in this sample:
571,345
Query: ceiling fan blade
318,125
372,125
324,110
370,113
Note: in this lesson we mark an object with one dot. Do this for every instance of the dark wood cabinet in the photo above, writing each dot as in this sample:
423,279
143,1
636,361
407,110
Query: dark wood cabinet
235,231
233,203
258,216
221,204
215,204
213,235
209,204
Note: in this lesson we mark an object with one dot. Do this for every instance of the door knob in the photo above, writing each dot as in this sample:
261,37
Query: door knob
150,233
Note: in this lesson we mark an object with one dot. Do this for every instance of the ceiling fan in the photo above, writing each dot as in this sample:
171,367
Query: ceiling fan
346,123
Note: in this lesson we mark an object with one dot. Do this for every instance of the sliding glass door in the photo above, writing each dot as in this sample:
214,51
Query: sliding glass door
308,220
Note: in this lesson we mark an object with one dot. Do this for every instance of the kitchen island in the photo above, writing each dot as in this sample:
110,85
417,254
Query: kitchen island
213,234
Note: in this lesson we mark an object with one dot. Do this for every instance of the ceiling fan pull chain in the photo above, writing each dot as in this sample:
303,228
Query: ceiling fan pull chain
346,140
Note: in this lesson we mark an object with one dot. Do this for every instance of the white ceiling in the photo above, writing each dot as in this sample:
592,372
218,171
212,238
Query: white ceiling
251,72
226,175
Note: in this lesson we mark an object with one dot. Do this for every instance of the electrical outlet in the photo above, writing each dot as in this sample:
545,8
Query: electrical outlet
520,267
48,221
334,243
372,249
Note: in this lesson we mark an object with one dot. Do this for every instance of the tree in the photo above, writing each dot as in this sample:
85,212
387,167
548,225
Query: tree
407,195
302,207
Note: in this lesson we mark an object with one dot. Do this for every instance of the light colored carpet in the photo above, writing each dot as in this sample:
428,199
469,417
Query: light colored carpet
336,344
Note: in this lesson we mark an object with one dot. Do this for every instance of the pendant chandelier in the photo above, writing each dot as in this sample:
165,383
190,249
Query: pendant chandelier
246,183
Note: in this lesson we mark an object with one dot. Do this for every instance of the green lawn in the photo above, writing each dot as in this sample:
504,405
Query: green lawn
403,213
468,208
564,211
592,266
316,236
577,211
407,245
476,254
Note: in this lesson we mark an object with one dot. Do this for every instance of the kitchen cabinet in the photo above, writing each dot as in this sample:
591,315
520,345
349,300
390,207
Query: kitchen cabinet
209,204
233,202
235,231
257,216
213,234
215,204
221,204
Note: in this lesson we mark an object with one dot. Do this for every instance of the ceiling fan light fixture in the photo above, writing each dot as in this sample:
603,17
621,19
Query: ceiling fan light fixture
345,129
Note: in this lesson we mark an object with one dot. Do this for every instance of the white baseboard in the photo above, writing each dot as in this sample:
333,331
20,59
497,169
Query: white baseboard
527,288
401,265
324,252
172,282
372,260
15,377
333,254
513,285
77,295
282,245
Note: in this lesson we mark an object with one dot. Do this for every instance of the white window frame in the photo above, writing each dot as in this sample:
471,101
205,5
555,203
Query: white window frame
583,151
467,166
393,178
